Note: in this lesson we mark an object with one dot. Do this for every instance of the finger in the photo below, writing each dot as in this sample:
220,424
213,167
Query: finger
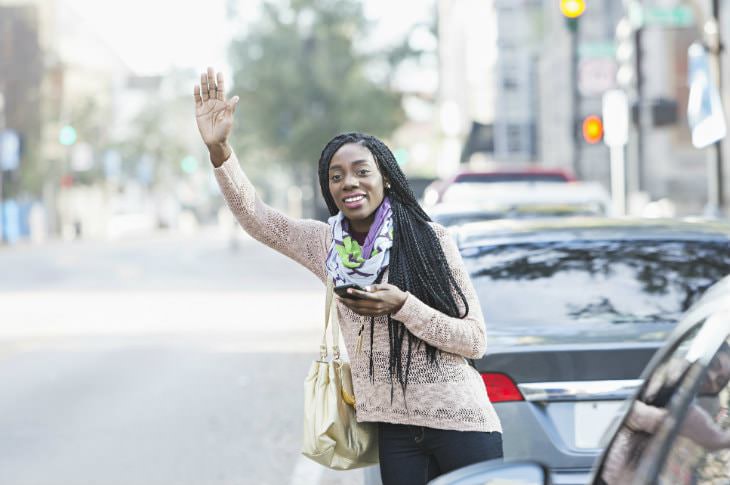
196,95
204,87
231,105
362,306
363,294
211,83
221,86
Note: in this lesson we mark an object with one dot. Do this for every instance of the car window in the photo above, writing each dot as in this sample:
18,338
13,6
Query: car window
700,453
593,282
633,443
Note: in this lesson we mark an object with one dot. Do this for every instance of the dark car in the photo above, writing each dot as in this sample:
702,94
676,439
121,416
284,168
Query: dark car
575,309
676,429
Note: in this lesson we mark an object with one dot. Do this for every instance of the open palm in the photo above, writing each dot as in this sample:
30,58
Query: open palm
213,113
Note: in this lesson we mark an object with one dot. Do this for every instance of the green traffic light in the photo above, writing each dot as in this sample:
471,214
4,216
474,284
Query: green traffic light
189,164
67,135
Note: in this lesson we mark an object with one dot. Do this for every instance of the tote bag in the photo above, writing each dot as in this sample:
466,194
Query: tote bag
332,435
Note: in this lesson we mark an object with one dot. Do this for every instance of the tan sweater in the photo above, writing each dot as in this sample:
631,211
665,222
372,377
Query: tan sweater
450,396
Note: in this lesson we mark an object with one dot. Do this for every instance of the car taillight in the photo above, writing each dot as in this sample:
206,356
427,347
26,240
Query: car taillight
500,388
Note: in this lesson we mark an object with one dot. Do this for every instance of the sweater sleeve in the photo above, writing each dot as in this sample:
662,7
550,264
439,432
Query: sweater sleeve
463,336
302,240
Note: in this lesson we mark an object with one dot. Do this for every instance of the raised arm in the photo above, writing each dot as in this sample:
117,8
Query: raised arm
302,240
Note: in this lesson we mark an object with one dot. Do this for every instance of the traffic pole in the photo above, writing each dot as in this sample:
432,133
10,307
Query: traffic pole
575,96
616,135
716,59
618,179
2,179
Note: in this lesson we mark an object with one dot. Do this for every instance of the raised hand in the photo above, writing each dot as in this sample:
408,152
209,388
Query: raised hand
213,113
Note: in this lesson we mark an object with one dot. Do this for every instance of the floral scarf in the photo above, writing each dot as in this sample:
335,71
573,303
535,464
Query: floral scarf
347,262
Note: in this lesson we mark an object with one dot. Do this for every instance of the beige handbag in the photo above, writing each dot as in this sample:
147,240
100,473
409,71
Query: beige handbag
332,435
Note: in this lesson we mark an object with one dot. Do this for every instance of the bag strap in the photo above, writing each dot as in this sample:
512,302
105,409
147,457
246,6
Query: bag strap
329,303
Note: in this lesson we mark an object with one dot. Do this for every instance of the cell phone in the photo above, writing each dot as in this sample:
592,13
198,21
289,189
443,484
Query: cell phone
342,291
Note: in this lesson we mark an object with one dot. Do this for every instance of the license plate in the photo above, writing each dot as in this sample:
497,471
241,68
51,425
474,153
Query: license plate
592,418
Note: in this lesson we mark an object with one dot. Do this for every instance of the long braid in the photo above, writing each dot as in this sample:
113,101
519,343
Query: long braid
417,261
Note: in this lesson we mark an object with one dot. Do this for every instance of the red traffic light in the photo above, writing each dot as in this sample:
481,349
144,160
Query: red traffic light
592,129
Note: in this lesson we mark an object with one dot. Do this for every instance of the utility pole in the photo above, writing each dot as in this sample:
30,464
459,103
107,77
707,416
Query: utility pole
640,112
575,96
715,46
2,179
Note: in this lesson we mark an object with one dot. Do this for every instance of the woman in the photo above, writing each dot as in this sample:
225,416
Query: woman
409,333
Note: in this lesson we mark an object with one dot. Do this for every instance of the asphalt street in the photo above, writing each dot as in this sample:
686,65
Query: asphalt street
156,360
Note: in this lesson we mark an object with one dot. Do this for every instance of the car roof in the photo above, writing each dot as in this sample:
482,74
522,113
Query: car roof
531,169
469,196
586,228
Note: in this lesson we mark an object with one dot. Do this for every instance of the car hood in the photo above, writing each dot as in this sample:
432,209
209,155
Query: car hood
500,335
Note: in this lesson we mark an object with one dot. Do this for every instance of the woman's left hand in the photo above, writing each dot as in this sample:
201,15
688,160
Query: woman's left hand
380,299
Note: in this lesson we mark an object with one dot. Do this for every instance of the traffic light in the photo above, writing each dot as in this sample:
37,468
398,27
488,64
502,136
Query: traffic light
189,164
625,55
67,135
572,9
592,129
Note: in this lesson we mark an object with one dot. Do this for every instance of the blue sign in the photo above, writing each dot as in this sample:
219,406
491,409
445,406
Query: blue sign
704,108
9,150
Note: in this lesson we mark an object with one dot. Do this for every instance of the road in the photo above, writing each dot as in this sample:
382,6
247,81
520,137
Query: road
156,360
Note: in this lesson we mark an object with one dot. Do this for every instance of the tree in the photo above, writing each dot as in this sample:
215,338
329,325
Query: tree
301,81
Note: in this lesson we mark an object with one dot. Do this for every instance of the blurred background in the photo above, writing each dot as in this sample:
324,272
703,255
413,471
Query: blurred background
99,138
119,262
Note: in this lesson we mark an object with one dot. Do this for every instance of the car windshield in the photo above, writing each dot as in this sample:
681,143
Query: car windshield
627,281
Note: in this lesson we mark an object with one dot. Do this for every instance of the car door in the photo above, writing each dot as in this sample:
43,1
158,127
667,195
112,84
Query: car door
674,430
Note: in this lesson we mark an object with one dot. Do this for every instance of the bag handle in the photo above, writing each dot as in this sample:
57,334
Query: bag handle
329,303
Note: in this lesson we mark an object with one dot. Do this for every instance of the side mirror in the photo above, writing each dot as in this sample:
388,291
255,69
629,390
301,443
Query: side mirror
497,472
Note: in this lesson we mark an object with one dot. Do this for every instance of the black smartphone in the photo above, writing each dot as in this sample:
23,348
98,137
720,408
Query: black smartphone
342,291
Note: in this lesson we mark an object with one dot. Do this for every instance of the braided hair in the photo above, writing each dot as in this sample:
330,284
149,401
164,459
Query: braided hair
417,261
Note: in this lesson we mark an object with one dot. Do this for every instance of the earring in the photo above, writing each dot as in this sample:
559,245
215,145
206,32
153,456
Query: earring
387,185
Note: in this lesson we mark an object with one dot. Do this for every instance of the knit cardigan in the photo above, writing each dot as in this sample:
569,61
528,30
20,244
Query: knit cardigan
450,395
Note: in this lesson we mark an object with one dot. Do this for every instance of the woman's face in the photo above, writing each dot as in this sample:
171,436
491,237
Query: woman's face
356,184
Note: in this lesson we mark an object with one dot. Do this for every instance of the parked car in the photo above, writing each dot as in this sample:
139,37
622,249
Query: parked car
575,308
676,428
469,202
434,193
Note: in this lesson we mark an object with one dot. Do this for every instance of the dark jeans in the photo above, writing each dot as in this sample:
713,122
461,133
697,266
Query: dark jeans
413,455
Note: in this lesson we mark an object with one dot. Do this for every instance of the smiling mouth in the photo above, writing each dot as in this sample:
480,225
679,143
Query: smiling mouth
354,198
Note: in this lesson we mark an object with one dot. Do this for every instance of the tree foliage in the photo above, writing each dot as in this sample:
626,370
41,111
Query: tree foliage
301,80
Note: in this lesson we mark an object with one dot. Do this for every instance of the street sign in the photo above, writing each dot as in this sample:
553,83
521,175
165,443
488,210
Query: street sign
9,150
595,76
676,16
704,107
597,49
615,118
